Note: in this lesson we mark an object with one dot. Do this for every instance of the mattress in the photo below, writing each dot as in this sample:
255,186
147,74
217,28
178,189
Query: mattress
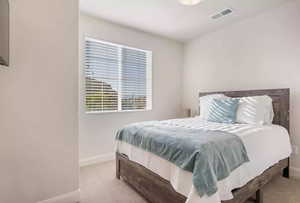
266,145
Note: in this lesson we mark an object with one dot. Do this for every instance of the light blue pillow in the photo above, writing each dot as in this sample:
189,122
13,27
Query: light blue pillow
223,110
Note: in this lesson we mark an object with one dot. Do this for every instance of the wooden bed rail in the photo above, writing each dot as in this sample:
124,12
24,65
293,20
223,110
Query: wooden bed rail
155,189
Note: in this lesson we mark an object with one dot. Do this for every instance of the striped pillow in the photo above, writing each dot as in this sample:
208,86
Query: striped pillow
205,102
223,110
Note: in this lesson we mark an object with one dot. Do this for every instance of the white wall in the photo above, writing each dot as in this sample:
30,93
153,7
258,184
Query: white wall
97,132
257,53
39,102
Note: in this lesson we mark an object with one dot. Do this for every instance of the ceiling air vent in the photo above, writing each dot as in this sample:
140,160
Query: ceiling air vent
222,13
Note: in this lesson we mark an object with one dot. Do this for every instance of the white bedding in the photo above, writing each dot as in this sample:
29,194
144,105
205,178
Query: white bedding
265,145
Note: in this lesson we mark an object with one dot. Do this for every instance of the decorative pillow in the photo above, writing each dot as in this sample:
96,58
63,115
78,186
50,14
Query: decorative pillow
255,110
205,103
223,110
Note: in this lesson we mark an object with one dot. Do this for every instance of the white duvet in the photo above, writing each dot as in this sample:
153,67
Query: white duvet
265,145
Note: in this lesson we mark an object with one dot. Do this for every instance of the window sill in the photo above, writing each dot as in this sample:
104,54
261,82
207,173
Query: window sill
125,111
4,67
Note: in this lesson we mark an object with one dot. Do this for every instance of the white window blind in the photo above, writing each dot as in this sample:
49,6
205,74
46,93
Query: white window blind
117,78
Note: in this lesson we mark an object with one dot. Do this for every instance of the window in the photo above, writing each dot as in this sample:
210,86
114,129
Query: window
117,78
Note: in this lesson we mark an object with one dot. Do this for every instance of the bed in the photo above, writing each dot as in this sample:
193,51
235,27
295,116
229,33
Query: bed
156,184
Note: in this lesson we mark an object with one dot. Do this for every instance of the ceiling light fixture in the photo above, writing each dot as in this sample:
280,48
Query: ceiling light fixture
190,2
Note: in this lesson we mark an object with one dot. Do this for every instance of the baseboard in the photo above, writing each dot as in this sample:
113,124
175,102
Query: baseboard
71,197
295,172
97,159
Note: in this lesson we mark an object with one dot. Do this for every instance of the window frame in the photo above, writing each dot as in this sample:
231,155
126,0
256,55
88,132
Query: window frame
149,82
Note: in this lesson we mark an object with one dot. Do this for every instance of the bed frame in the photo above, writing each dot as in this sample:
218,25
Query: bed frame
158,190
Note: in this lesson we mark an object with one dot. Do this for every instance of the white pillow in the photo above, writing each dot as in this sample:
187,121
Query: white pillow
255,110
205,102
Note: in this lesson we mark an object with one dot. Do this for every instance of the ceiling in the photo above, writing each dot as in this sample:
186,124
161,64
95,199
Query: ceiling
171,19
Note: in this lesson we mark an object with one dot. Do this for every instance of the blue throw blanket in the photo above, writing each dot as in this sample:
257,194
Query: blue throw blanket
210,155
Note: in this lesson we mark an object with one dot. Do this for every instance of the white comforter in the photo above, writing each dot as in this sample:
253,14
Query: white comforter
266,145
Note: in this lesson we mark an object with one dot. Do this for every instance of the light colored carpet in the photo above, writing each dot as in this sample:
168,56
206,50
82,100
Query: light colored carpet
99,185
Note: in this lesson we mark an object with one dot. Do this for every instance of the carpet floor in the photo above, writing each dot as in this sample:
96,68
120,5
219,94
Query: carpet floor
99,185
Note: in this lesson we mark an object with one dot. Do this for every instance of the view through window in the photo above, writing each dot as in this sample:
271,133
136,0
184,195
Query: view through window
117,77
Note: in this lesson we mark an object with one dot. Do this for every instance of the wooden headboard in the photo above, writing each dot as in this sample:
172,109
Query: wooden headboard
280,97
